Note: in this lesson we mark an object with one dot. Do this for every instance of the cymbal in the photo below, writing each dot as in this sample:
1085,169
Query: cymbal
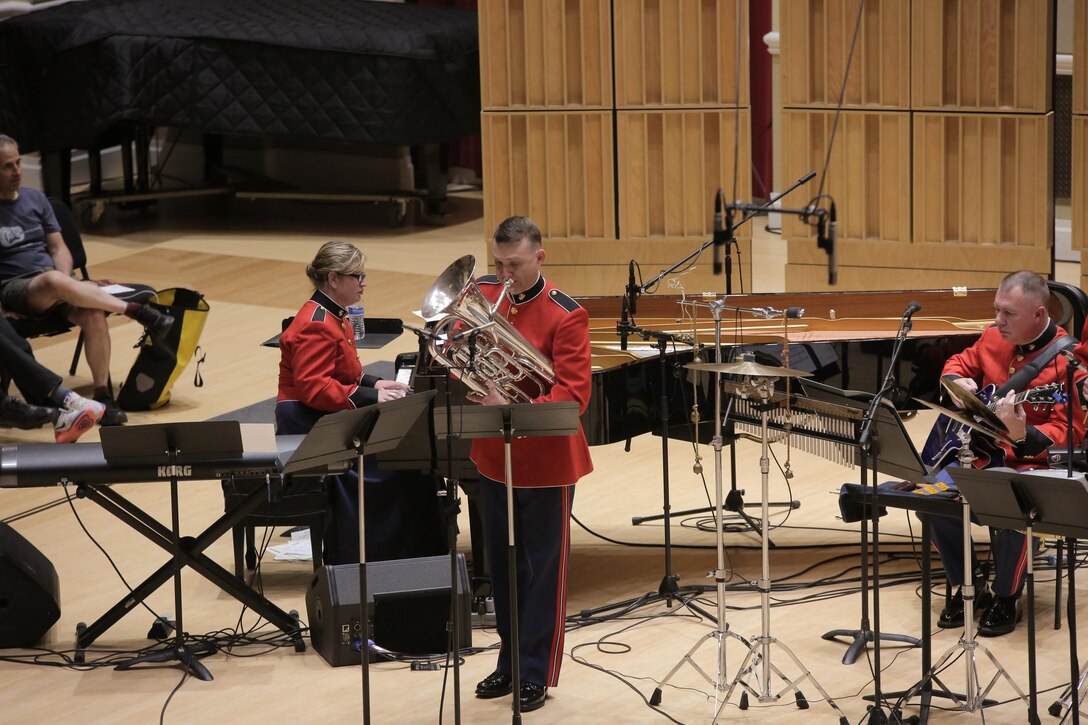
972,406
749,368
997,435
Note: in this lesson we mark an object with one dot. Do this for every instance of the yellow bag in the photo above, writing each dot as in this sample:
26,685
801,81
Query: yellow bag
160,362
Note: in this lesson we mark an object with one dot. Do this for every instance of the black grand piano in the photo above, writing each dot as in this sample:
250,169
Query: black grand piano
101,72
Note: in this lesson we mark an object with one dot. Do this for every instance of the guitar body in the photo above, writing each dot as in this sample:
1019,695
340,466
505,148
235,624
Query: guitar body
944,442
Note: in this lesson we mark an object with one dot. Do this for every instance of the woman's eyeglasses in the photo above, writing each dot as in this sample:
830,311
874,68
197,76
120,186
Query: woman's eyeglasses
360,277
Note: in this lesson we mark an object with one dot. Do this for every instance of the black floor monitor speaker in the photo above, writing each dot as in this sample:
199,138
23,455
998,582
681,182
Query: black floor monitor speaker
29,591
408,601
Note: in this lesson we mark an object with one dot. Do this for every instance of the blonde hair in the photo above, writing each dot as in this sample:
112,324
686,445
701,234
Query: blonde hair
334,256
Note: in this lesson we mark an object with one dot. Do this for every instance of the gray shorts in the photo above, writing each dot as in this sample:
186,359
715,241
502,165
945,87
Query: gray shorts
13,298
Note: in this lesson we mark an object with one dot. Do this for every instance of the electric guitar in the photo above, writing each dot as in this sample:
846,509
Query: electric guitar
945,440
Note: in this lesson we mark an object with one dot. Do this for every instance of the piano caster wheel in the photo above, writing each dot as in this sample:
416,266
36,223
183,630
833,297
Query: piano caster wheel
396,213
743,704
80,656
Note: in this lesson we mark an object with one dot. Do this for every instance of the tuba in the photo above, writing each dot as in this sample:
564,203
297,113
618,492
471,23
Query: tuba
479,345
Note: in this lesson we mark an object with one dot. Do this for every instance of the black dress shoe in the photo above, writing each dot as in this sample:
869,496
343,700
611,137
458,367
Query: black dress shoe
17,413
494,685
1001,617
113,414
532,696
952,615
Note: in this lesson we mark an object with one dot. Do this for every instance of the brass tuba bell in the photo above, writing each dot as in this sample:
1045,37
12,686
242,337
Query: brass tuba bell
479,345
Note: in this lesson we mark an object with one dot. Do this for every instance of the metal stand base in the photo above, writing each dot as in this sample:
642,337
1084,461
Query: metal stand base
862,637
758,658
718,681
1062,705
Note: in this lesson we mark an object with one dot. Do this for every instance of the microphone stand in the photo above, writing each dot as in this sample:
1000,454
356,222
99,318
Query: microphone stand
753,211
869,450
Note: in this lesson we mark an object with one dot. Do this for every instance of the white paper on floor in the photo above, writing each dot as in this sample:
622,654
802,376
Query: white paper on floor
297,550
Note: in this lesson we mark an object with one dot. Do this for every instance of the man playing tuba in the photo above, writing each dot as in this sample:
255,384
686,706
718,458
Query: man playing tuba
544,469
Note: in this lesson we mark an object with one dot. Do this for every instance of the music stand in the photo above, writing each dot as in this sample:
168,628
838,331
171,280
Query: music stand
174,445
523,420
344,436
1051,504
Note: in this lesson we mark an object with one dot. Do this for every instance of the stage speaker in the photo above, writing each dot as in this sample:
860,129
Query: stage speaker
29,591
408,604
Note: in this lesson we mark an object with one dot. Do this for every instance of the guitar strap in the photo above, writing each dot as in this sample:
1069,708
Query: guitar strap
1029,372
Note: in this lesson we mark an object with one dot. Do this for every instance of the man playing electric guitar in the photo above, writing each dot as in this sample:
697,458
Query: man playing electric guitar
1021,337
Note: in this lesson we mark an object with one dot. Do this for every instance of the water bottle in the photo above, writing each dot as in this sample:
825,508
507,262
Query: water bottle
358,321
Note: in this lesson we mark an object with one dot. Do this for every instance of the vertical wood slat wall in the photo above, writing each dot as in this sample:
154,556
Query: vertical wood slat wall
612,179
974,199
1079,190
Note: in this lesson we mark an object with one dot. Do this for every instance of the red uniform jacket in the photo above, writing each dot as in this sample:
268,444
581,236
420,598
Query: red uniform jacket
992,360
319,366
558,327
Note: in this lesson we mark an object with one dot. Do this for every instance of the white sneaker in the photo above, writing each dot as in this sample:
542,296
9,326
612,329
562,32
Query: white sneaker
77,417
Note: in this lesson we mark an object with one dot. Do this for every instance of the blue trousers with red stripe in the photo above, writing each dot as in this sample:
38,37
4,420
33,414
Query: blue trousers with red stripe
1009,550
542,533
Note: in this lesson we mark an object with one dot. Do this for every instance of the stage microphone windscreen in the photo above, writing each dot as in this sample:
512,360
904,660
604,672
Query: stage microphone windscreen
719,232
794,313
832,251
912,307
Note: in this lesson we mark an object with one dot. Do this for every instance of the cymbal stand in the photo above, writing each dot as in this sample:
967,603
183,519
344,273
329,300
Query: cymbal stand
757,664
720,575
974,698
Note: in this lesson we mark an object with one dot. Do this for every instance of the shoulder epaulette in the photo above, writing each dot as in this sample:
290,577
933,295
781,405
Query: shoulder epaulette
318,315
487,279
563,300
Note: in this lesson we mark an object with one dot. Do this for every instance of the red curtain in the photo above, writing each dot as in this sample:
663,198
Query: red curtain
760,83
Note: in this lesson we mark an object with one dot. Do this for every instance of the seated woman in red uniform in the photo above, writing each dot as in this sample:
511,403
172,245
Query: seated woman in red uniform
320,373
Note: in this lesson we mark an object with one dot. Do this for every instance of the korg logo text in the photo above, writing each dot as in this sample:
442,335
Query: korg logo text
175,471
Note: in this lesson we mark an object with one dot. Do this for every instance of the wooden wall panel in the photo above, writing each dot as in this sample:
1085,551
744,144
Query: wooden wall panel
869,175
1079,193
983,179
817,36
1080,56
555,167
671,164
680,52
545,53
982,54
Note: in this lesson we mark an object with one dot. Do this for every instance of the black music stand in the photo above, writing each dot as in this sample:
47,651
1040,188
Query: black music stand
342,437
520,420
1050,504
172,445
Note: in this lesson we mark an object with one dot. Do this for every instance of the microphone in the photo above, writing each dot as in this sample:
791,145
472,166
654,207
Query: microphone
832,252
912,307
793,313
719,232
632,290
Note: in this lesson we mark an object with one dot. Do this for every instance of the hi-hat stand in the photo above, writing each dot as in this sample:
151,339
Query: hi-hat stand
757,664
721,630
